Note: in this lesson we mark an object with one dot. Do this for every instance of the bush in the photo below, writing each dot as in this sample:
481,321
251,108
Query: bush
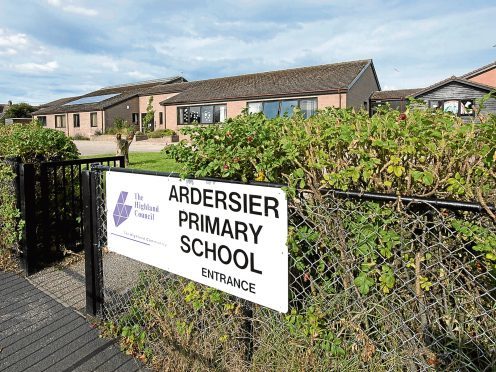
367,275
160,133
32,143
80,137
17,110
10,226
417,153
121,126
29,144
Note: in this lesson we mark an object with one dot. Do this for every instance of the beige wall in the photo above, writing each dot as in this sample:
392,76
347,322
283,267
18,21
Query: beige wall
487,78
235,108
157,98
331,100
85,128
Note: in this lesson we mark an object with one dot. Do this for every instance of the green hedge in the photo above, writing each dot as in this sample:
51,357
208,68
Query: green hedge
29,143
33,143
373,286
420,152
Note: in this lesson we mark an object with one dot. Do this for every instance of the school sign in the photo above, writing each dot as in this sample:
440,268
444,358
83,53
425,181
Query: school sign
225,235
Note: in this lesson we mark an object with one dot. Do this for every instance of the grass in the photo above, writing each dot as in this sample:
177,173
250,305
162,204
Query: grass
154,161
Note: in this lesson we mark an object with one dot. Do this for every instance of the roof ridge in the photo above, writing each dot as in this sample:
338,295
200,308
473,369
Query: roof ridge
143,82
479,70
456,79
285,70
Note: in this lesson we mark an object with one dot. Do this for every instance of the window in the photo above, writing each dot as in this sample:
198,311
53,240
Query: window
42,120
59,121
75,120
255,107
272,109
288,106
194,114
220,113
161,118
207,114
93,119
134,117
308,107
464,107
451,106
467,107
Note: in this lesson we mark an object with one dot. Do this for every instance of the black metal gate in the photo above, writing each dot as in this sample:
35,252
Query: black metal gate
51,203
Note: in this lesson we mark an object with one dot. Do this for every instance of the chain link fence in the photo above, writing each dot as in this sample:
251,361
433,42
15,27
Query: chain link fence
373,286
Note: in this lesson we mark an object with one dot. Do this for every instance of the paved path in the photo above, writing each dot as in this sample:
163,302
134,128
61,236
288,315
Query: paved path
109,147
67,283
37,333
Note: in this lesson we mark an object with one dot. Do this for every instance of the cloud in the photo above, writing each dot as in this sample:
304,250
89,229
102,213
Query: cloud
37,67
11,40
80,10
100,43
73,8
8,52
139,75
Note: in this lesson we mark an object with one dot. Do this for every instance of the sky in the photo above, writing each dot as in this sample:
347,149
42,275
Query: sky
51,49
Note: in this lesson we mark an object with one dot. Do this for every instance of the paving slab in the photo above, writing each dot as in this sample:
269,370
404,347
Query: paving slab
38,333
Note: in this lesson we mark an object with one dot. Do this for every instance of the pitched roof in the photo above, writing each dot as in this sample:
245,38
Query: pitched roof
479,71
397,94
120,93
290,82
454,79
59,101
168,88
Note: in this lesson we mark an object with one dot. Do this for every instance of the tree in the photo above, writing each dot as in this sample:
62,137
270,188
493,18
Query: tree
18,110
150,115
123,145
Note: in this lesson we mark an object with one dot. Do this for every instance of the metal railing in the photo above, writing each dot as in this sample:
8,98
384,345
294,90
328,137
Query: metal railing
50,200
376,283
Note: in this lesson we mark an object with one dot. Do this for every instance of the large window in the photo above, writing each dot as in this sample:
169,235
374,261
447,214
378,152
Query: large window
93,119
59,121
75,120
462,107
207,114
272,109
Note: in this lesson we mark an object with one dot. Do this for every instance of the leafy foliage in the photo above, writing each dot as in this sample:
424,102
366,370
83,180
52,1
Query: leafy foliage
420,152
29,143
32,143
10,226
18,110
149,117
159,133
121,126
362,270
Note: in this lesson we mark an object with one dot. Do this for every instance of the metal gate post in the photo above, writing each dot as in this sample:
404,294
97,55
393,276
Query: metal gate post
92,256
27,194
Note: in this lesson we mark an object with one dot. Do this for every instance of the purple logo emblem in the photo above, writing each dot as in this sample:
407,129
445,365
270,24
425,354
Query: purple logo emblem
121,211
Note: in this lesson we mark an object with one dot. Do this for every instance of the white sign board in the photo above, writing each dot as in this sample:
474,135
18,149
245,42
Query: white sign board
228,236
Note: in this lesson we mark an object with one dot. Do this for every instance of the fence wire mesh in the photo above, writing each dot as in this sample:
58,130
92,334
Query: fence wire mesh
384,286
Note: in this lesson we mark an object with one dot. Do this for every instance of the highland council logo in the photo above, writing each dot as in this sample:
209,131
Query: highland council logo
121,210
